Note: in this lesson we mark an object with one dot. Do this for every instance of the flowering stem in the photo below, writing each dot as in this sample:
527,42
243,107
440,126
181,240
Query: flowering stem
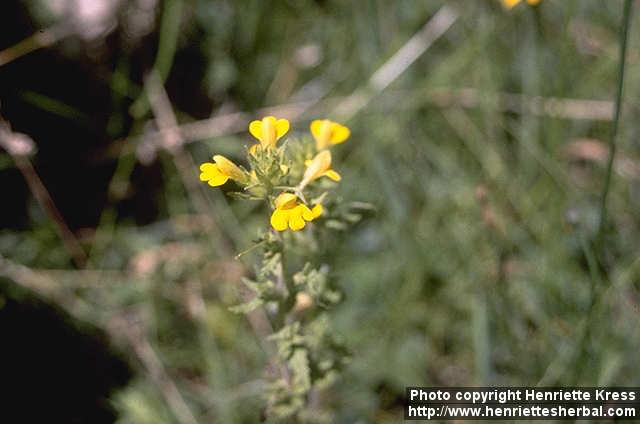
286,303
624,34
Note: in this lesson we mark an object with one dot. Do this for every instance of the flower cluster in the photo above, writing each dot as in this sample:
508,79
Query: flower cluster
294,177
283,175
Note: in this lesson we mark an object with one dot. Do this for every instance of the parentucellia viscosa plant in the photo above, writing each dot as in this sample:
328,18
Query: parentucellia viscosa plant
296,181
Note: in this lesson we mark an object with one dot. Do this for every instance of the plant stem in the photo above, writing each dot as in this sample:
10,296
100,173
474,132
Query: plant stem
624,34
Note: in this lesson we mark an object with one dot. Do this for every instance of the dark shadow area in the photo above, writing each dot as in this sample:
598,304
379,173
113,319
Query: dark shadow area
52,369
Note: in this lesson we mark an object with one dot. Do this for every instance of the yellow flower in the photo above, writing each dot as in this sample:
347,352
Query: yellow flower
290,213
319,166
268,131
512,3
327,132
218,173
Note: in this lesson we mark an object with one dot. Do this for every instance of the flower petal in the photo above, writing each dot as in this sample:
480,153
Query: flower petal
229,168
255,128
282,127
318,166
212,175
280,219
268,138
307,214
296,222
339,133
323,134
332,175
286,201
510,3
317,210
311,214
207,169
316,128
218,180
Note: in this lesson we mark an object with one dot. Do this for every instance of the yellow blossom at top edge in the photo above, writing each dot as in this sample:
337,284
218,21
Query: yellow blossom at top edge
289,213
269,130
218,173
509,4
327,133
319,166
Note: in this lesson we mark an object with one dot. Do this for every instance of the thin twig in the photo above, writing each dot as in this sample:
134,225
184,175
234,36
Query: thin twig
24,276
119,328
467,98
8,141
399,62
169,32
42,38
624,35
173,142
45,200
346,106
135,337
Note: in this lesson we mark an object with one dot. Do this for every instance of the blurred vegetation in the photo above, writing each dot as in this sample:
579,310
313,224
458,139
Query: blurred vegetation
485,159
